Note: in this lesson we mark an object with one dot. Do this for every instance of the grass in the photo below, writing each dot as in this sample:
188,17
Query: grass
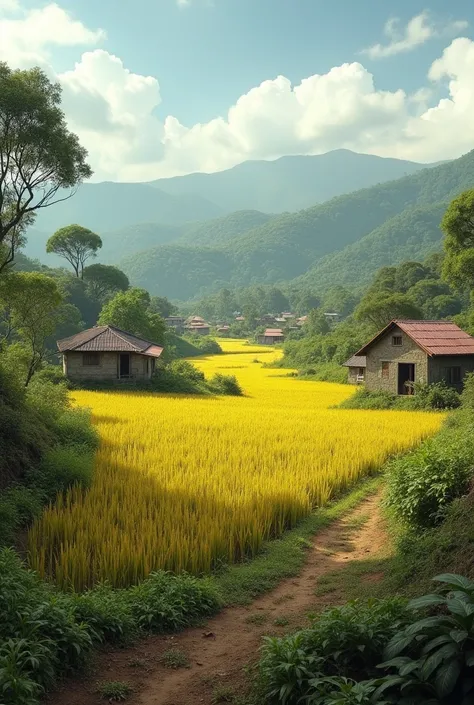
223,694
281,622
115,690
283,558
175,658
258,619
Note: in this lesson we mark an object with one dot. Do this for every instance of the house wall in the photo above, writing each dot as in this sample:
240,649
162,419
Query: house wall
108,368
384,351
352,374
437,366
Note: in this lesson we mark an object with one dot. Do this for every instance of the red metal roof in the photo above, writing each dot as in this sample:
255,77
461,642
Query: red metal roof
434,337
108,339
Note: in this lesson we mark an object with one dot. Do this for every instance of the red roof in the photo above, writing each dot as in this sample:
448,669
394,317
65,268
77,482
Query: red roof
108,339
434,337
273,332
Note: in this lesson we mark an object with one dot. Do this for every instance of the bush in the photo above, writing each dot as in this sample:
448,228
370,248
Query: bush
467,396
225,384
434,396
363,399
19,505
426,397
346,641
61,468
74,428
205,344
423,483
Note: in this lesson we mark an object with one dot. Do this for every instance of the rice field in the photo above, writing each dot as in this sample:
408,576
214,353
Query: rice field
185,483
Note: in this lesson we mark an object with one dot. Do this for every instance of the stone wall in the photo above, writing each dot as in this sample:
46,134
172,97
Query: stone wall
353,374
108,368
385,351
437,367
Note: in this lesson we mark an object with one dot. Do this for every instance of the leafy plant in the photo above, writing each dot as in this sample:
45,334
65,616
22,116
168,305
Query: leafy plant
175,658
115,690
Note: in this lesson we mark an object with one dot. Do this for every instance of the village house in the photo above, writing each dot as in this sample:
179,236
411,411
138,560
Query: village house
271,336
195,325
409,352
176,323
107,353
356,367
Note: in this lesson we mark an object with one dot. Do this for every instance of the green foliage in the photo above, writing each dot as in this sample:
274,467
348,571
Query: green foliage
423,483
380,310
39,154
225,384
436,396
467,396
115,691
175,658
458,227
105,280
76,244
205,344
130,311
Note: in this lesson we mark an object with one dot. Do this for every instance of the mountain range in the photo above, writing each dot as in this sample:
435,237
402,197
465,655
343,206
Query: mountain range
343,240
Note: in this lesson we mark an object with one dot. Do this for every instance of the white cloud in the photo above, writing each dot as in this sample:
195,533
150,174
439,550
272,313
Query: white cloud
418,31
113,110
28,37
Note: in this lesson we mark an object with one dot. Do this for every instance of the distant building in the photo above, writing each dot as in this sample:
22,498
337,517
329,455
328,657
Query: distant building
108,353
176,323
195,325
332,317
356,368
409,352
223,331
271,336
301,321
240,319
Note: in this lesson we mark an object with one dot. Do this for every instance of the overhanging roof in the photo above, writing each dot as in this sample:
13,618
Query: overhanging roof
108,339
434,337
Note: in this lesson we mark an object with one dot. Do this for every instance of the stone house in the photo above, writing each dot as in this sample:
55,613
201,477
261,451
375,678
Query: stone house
356,369
106,353
425,352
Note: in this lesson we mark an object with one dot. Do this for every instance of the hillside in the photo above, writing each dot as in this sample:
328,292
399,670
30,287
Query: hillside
108,206
289,245
289,183
218,232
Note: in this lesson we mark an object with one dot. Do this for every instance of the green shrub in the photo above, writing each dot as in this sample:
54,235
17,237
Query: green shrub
427,397
61,468
363,399
423,483
48,400
434,396
467,396
115,691
74,428
225,384
19,505
107,613
205,344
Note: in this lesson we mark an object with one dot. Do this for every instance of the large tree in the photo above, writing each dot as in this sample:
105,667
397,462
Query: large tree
379,310
76,244
130,311
105,279
30,309
458,227
41,162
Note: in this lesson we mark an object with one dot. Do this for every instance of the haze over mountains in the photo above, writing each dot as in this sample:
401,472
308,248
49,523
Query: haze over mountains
343,240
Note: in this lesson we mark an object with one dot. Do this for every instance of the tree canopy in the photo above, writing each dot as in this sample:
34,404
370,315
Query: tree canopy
380,310
39,157
130,311
76,244
105,279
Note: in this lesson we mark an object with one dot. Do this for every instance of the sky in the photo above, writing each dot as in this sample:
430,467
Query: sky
157,88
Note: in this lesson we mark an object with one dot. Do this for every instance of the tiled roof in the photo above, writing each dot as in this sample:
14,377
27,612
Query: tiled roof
434,337
356,361
108,339
273,332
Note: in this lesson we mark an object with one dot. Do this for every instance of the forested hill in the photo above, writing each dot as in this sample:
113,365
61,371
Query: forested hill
289,183
292,244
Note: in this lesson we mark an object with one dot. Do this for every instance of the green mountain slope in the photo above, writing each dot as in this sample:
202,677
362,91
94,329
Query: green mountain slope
290,183
411,235
218,232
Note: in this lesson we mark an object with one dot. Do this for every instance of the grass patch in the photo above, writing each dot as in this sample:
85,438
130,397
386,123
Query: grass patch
257,619
115,690
282,558
281,622
175,658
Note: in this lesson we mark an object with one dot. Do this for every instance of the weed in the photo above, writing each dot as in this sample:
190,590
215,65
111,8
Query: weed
281,621
175,658
114,690
257,619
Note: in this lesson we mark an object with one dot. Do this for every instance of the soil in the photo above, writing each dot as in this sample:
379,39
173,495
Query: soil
219,652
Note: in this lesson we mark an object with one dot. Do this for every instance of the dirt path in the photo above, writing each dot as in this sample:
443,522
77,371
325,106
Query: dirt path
218,652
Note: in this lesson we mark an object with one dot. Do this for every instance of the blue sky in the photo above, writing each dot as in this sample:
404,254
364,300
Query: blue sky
161,87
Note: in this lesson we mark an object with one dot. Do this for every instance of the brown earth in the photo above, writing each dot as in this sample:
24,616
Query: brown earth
219,652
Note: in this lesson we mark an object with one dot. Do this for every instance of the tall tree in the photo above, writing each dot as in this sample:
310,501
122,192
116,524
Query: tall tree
130,311
162,306
30,310
105,279
76,244
458,227
380,310
41,162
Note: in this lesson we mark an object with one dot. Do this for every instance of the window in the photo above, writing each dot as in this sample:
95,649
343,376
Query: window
453,375
396,340
91,359
385,370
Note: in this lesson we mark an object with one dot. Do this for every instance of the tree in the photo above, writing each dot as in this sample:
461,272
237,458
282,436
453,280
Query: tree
316,323
225,304
105,279
275,301
76,244
29,306
130,311
408,274
380,310
458,228
39,157
339,300
162,306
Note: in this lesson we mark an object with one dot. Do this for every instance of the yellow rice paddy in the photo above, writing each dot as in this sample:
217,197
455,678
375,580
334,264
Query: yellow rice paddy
184,482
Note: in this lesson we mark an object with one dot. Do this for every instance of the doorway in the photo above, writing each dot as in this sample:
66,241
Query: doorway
406,377
124,365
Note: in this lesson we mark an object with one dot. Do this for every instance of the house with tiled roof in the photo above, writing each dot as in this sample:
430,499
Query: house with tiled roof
408,352
271,336
108,353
